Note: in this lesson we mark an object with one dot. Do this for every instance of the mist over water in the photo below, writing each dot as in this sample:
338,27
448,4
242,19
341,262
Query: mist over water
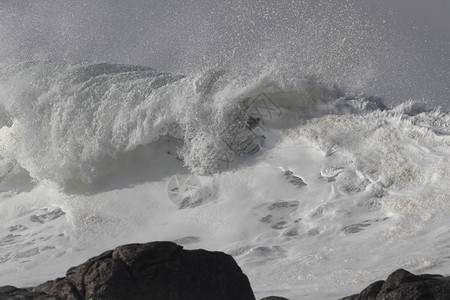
365,46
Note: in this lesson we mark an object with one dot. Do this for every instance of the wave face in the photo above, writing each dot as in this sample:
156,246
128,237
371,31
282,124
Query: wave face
66,117
63,119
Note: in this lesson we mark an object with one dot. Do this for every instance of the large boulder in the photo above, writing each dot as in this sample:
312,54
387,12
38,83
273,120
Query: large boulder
402,285
157,270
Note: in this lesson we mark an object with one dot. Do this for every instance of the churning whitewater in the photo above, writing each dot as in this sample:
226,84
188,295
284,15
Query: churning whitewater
305,185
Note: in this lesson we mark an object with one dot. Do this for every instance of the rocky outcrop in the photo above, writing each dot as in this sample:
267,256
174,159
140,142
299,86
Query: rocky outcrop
157,270
402,285
164,270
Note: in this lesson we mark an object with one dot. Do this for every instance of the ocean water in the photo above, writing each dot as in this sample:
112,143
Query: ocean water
309,140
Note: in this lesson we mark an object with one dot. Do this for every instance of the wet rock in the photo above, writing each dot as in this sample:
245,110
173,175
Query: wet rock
12,293
372,290
404,285
49,216
294,179
158,270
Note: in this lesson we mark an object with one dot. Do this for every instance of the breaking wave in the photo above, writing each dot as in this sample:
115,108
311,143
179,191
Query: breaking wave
60,119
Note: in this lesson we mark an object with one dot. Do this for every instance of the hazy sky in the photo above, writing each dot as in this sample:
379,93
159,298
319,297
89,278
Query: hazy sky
428,16
434,14
170,34
124,28
429,21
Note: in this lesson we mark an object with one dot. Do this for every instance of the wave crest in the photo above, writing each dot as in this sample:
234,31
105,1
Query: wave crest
71,116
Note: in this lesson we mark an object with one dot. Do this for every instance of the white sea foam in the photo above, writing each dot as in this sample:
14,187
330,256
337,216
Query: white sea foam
68,117
342,190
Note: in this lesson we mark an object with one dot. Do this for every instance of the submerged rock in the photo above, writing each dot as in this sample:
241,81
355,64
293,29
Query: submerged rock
402,285
157,270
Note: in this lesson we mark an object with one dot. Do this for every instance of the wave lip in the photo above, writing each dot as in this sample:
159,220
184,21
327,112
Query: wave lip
71,115
65,118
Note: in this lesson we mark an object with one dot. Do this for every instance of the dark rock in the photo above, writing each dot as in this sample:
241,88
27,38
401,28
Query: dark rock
274,298
402,285
158,270
372,290
75,275
59,287
12,293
